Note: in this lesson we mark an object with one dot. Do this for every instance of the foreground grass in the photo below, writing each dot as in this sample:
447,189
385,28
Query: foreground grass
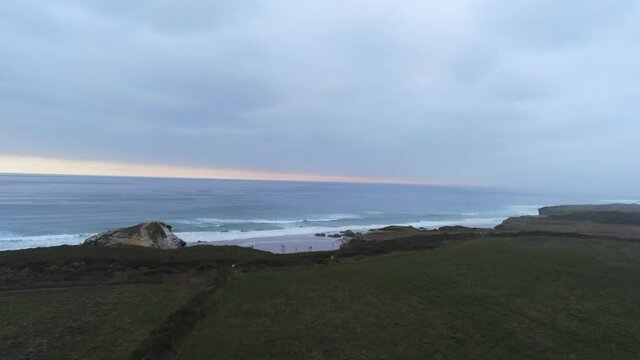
101,322
63,266
508,298
140,256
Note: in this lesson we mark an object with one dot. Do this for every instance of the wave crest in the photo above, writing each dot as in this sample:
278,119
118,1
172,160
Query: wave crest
218,222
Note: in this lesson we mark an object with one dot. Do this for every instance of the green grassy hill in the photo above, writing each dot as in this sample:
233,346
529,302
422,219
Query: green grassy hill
95,322
508,298
524,297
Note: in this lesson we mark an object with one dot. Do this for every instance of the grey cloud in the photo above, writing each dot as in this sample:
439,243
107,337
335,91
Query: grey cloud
553,24
505,93
171,17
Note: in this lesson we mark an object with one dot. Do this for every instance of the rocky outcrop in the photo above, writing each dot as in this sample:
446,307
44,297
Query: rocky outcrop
348,234
395,232
154,234
460,228
397,228
611,220
391,232
560,210
621,214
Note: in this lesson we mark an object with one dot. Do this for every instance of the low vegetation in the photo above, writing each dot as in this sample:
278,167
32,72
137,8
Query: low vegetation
96,322
498,298
459,295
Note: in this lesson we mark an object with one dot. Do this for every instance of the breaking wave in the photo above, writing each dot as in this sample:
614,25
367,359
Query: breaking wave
15,242
215,236
218,222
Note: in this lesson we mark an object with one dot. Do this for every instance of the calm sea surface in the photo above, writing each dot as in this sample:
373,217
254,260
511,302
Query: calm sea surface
38,210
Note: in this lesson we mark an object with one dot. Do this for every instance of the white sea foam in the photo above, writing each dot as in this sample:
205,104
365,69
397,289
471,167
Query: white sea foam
333,217
15,242
220,222
216,236
217,222
10,241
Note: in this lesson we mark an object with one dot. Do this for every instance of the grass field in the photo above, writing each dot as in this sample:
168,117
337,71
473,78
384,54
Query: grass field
100,322
507,298
526,297
190,256
63,266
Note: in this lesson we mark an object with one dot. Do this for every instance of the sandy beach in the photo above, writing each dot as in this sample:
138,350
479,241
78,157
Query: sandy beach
284,244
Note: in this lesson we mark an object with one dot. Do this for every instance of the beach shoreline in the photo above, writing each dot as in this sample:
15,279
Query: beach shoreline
286,244
332,239
302,239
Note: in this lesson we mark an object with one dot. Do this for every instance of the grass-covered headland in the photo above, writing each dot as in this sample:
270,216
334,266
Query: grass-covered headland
430,296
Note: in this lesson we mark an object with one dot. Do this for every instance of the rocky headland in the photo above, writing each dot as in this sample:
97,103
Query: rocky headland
610,220
619,221
154,234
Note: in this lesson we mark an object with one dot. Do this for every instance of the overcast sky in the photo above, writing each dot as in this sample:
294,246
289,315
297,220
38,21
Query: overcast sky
540,94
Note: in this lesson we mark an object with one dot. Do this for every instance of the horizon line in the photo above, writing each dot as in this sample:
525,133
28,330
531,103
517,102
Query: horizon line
35,165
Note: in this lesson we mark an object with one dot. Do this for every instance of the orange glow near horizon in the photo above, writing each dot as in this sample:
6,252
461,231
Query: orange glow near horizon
53,166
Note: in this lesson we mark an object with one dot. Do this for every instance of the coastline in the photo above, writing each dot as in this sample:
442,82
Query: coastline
286,244
302,242
297,239
566,250
238,212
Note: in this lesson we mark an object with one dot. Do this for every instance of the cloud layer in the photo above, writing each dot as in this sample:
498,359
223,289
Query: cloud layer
528,93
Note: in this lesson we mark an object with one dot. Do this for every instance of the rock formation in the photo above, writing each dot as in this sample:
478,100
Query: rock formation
586,209
154,234
610,220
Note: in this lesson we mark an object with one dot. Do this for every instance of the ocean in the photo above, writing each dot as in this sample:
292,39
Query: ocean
50,210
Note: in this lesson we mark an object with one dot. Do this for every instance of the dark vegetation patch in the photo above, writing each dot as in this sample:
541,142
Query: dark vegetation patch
131,255
601,208
94,322
602,217
361,247
64,265
163,340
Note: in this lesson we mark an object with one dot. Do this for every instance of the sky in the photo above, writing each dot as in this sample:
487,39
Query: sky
538,94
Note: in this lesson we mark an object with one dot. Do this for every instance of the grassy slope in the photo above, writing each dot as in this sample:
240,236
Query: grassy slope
141,256
102,322
82,265
47,311
492,298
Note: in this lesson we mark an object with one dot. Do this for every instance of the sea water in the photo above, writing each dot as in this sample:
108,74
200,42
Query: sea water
49,210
